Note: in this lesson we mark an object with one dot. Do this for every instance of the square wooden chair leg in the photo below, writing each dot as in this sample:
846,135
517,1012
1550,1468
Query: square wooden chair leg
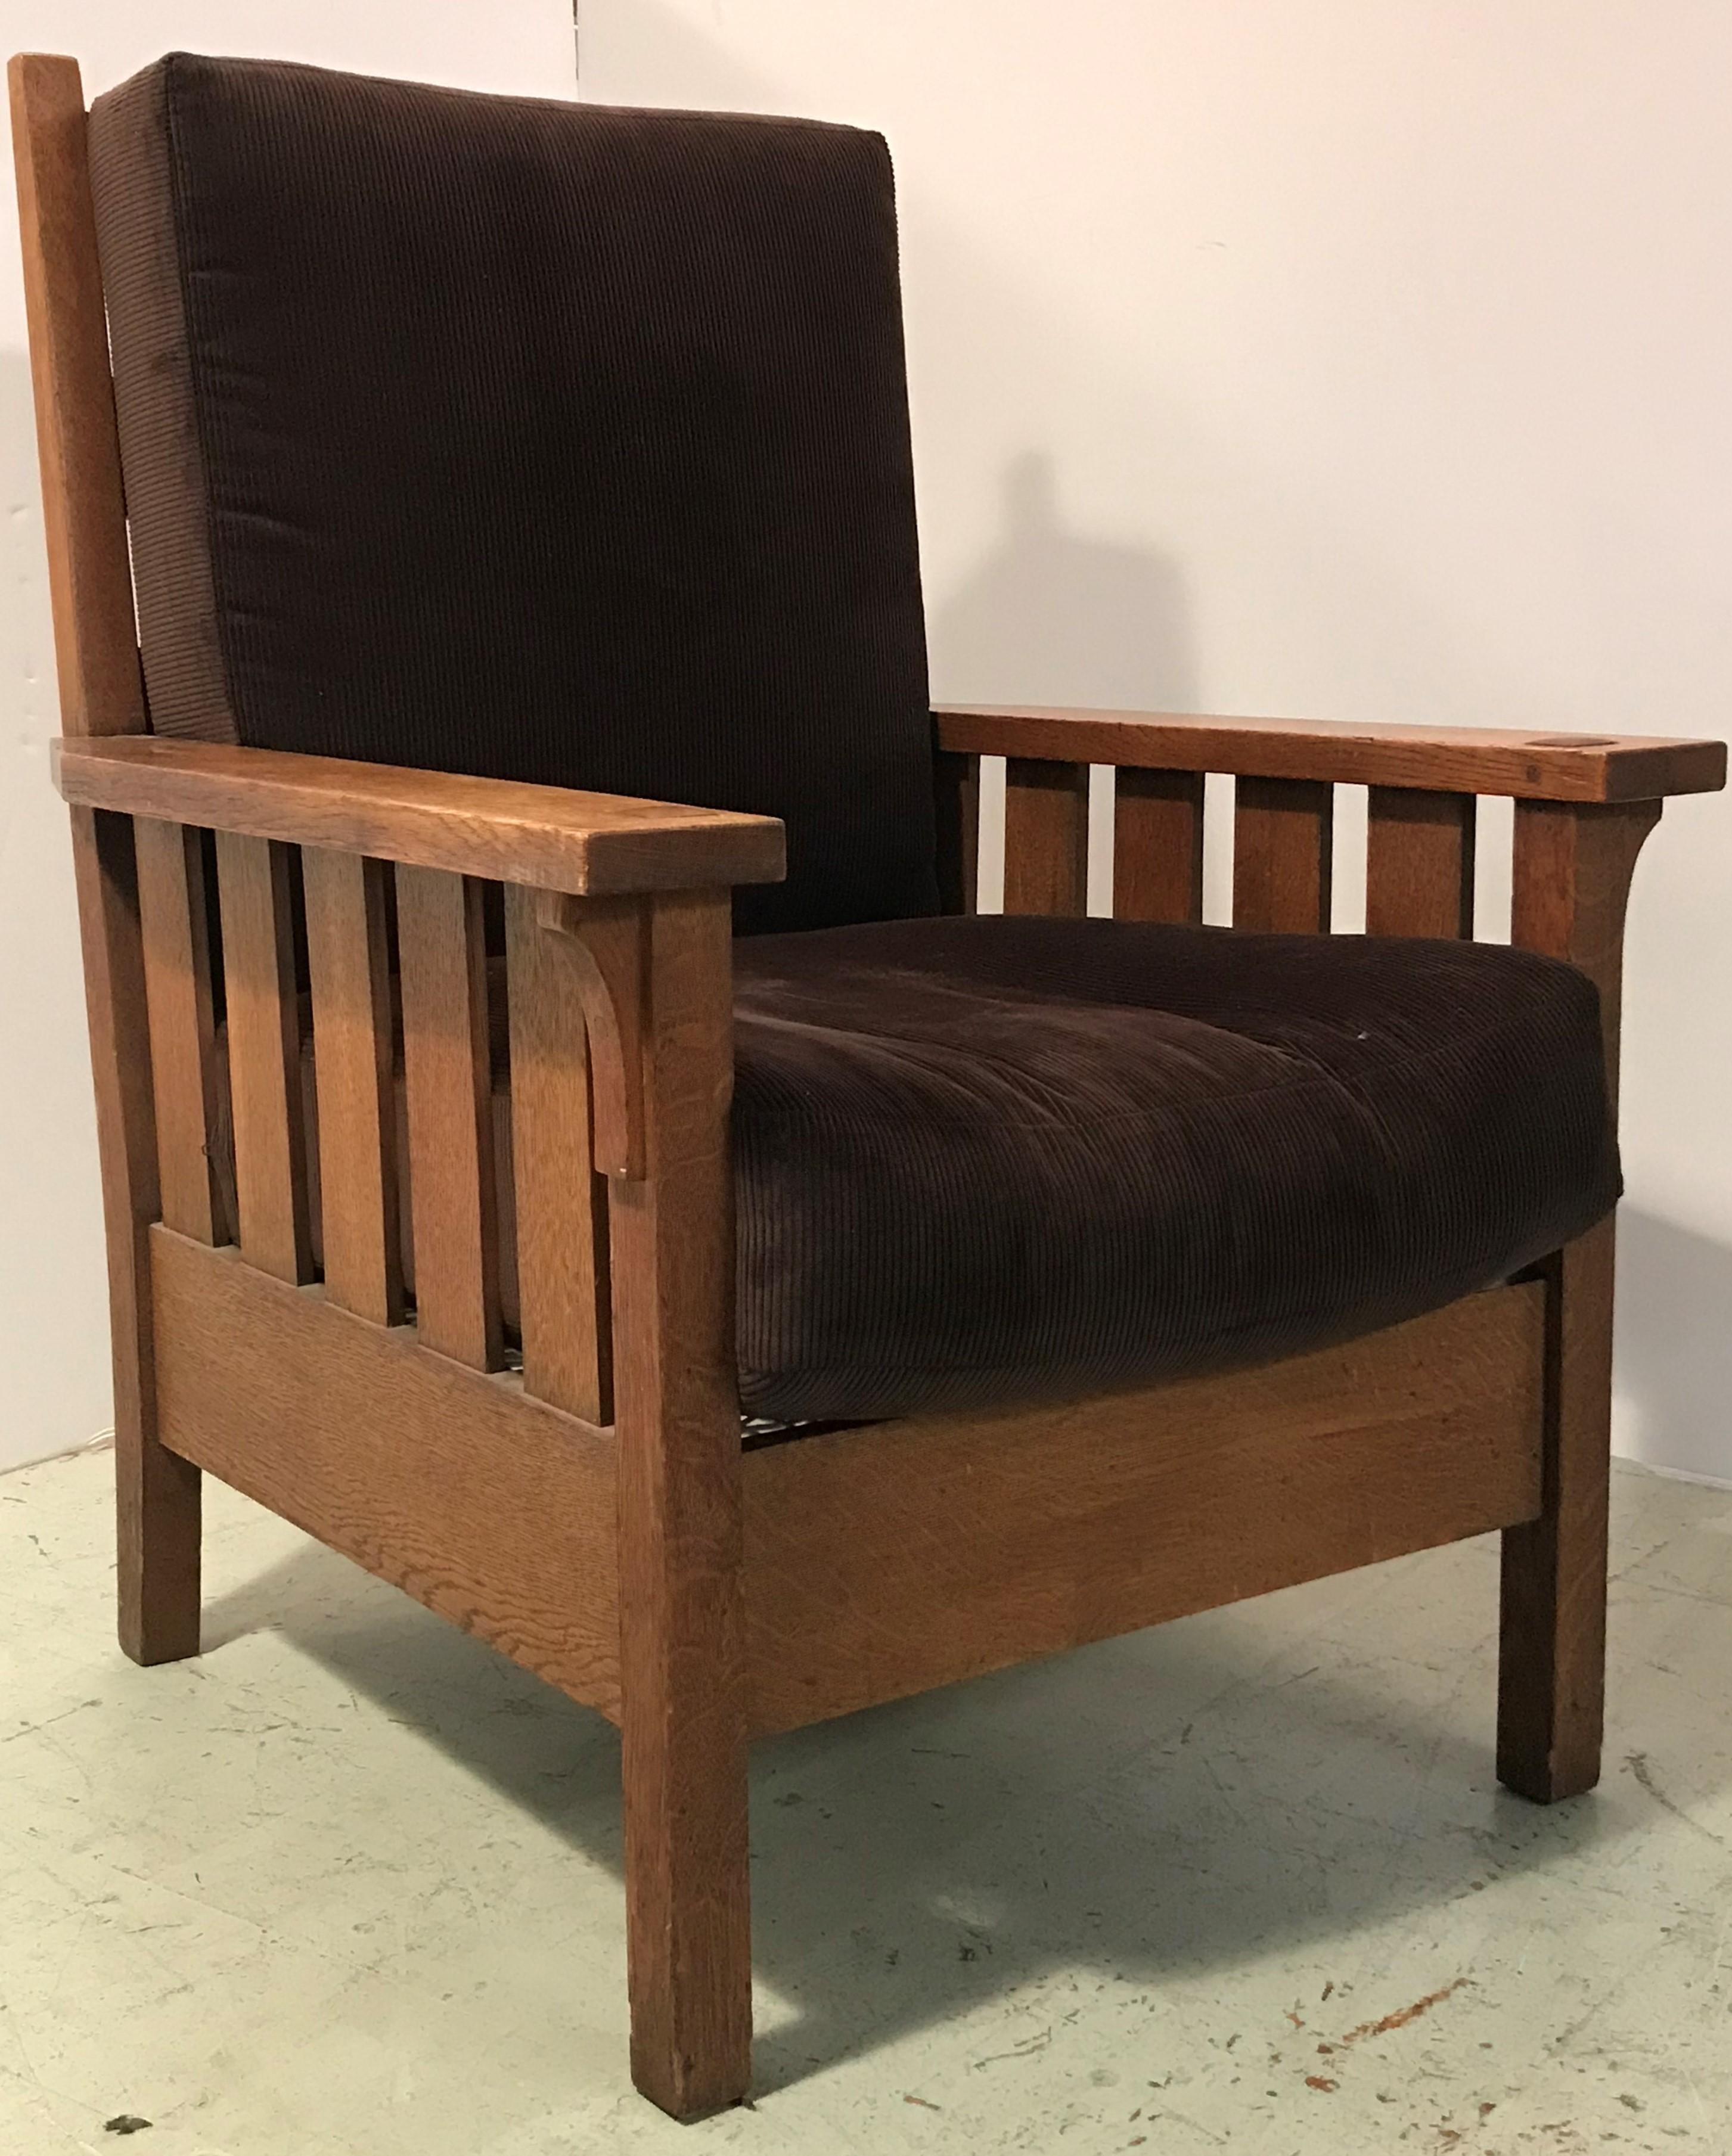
688,1918
157,1498
1552,1673
682,1675
157,1493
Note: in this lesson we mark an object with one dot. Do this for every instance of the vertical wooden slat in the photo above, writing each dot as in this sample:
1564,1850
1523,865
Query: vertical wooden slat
562,1202
452,1197
253,877
1419,863
176,929
1284,831
1157,845
349,964
957,797
1572,872
1046,837
682,1653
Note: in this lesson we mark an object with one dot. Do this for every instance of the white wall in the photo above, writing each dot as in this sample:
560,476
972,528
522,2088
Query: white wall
54,1390
1352,358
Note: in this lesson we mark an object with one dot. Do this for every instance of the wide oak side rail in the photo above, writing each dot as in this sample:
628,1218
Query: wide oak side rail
556,838
1533,767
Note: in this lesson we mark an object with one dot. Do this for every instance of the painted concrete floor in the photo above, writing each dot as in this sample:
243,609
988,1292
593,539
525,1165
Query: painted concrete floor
349,1885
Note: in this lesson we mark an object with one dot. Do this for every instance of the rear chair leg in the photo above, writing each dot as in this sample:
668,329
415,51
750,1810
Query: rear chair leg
1552,1673
157,1492
158,1503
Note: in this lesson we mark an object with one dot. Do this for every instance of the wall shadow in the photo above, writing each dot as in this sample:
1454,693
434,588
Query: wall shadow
1053,615
1674,1362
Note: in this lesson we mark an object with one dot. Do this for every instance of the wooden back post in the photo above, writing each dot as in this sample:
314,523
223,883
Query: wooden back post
120,912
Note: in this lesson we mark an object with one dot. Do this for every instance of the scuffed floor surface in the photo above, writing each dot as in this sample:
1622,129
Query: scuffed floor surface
349,1886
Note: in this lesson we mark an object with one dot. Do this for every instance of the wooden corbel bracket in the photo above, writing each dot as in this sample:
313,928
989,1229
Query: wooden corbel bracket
606,941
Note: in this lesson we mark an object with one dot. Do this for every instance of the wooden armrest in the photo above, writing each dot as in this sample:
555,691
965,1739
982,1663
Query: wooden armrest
590,845
1429,759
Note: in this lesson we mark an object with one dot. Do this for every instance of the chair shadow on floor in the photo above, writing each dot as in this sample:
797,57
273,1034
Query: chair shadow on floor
1137,1812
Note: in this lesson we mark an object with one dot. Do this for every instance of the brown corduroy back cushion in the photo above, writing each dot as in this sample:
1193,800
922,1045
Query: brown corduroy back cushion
526,440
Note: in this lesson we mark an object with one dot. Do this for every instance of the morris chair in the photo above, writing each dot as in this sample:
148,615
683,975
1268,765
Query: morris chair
440,488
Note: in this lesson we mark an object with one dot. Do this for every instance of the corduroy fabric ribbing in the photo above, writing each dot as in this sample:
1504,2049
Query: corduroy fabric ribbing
989,1160
167,503
545,441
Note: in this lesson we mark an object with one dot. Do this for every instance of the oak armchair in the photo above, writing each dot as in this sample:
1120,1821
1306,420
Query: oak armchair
432,481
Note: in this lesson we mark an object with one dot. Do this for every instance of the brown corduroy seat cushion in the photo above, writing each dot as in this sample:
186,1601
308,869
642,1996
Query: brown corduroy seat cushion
991,1160
984,1160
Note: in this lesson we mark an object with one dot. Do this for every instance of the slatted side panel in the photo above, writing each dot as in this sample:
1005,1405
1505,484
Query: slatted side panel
562,1202
254,878
1046,838
174,923
1420,848
1419,863
453,1202
1157,845
349,964
1283,835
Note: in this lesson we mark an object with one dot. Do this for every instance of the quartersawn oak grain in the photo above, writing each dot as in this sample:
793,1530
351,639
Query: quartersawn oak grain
596,844
349,969
1283,859
1046,839
175,924
1572,873
452,1189
1419,863
681,1634
883,1561
607,955
157,1506
1157,845
493,1509
1454,759
253,881
562,1202
84,519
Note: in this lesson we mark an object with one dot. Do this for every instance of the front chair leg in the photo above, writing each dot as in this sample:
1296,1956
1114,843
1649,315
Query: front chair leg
1552,1673
1572,870
681,1621
688,1925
